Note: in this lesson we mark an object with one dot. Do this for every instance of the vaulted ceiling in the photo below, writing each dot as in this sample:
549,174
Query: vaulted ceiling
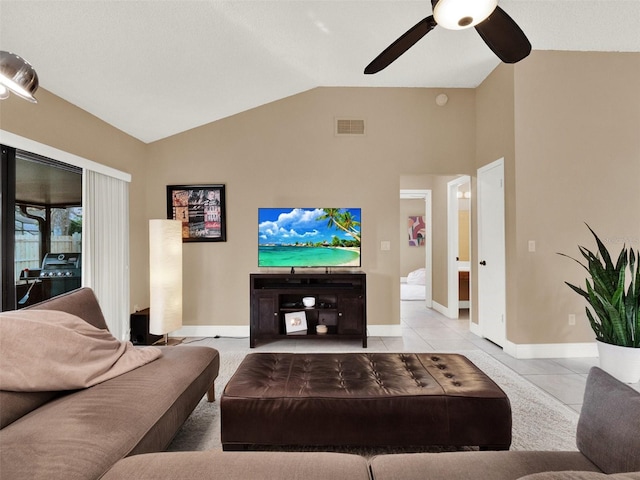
156,68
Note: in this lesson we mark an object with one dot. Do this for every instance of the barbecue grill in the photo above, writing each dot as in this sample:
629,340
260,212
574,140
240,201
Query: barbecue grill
60,273
61,265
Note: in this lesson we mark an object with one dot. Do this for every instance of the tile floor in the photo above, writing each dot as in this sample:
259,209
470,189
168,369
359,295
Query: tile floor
425,330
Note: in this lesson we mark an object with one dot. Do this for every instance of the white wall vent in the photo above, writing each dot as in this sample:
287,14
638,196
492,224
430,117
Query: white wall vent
349,126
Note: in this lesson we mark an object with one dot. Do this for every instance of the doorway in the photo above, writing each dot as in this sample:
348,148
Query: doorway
422,269
458,245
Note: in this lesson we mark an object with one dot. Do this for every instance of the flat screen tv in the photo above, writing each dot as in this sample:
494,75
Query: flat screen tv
309,237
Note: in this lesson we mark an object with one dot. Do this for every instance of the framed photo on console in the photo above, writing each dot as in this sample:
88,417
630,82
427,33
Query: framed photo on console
201,209
295,323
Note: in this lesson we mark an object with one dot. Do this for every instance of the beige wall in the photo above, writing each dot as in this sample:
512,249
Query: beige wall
495,138
281,154
566,124
464,227
59,124
286,154
577,117
568,127
439,194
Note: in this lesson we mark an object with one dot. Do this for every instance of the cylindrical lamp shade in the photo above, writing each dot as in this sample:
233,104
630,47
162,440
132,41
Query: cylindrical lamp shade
165,272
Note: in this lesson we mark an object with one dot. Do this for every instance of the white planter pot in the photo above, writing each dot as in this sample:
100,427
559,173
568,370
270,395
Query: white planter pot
621,362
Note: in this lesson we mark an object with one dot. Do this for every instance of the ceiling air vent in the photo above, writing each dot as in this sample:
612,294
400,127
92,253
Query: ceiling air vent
349,126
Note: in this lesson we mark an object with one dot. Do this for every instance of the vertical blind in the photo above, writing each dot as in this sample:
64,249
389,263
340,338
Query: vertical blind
105,260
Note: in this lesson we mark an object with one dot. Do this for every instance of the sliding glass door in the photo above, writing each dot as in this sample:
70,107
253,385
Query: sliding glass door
41,228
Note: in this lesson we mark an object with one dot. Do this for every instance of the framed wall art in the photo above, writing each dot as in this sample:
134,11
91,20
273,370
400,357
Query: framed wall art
417,229
201,209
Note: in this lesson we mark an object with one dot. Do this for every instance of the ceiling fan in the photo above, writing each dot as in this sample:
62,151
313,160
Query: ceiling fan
497,29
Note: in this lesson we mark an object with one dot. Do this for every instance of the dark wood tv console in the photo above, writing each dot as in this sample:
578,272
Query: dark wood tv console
340,304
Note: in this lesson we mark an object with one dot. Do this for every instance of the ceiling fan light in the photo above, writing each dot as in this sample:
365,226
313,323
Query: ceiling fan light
4,92
18,76
459,14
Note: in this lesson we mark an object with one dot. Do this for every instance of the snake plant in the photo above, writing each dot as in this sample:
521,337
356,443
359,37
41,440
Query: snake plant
614,299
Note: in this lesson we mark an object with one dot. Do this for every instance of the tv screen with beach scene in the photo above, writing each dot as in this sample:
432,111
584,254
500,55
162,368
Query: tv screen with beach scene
309,237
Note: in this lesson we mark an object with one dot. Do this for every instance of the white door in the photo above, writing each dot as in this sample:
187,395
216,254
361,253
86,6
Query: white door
491,252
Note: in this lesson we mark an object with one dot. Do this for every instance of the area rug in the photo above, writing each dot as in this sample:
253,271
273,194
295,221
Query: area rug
540,422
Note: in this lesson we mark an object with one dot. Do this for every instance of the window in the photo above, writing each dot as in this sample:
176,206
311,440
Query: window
47,230
105,215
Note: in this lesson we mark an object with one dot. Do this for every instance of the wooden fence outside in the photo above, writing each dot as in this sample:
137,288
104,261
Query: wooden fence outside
27,254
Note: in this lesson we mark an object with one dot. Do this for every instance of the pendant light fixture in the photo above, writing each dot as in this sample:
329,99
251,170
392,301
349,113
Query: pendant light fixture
498,30
459,14
17,76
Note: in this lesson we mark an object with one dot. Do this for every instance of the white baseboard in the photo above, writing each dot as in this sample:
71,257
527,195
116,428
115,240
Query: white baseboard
551,350
243,331
441,309
543,350
448,312
240,331
521,351
475,329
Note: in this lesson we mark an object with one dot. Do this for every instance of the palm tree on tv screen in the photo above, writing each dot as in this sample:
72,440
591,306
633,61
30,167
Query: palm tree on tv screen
343,221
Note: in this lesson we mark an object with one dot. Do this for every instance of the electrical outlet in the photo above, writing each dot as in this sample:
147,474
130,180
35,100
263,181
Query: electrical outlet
135,308
385,245
572,319
532,245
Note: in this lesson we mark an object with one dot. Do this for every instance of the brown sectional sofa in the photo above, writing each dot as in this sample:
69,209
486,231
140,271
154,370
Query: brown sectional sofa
608,439
87,434
81,434
241,466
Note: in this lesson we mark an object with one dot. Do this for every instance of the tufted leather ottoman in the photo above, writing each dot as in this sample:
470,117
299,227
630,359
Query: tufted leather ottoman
363,399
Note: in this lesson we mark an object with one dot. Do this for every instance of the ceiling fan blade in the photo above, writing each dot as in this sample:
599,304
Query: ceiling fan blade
401,45
503,35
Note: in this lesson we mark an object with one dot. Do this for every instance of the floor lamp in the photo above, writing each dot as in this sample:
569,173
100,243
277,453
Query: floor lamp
165,278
